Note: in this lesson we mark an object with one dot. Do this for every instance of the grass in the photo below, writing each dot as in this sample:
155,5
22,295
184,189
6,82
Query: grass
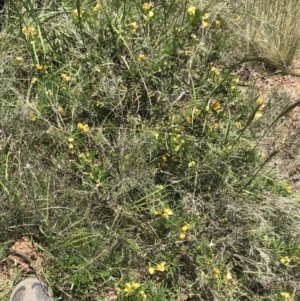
272,29
133,162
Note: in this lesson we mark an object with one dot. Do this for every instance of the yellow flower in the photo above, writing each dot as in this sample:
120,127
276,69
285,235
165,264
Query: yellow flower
147,6
285,260
185,227
193,36
142,57
217,272
65,77
32,117
191,11
71,139
260,101
60,109
205,24
238,18
288,189
135,285
182,235
167,213
19,59
143,294
216,106
205,16
96,8
188,119
130,286
134,26
161,267
34,80
151,14
29,31
258,115
49,92
83,127
228,276
218,23
238,125
286,296
151,270
216,126
191,164
71,146
38,67
76,14
215,70
196,112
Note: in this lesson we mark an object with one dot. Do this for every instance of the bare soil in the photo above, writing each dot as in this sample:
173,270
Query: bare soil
24,257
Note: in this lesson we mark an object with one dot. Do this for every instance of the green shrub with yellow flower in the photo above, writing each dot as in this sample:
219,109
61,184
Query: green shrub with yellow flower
132,158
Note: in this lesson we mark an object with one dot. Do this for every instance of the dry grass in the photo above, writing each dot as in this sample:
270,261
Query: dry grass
273,29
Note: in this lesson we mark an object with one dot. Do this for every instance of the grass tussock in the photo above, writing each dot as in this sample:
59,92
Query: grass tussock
132,161
272,29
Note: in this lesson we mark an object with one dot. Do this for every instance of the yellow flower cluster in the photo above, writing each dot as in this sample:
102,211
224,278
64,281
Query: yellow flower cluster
29,31
163,161
71,140
217,272
286,296
65,77
259,113
161,267
76,14
142,57
19,59
39,67
238,125
32,117
215,70
288,189
147,6
285,260
130,287
216,126
217,106
260,101
228,276
165,212
205,23
205,16
134,26
184,230
96,8
83,127
191,11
